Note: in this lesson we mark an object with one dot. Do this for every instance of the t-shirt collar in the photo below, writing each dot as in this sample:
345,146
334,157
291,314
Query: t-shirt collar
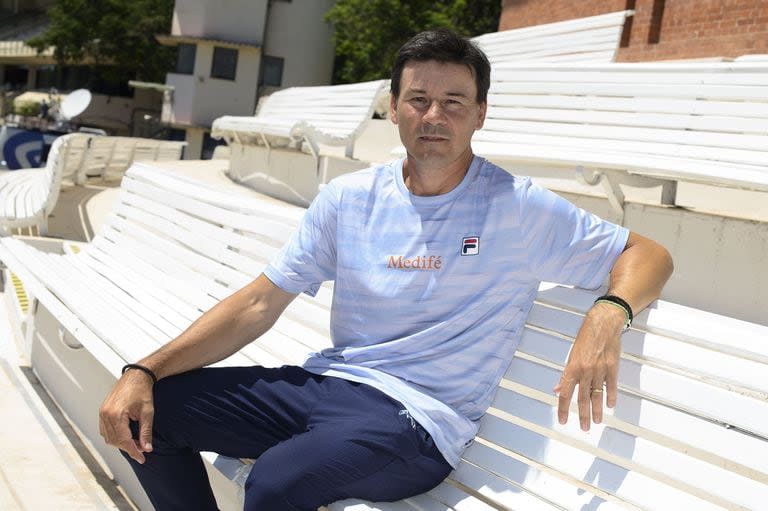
435,200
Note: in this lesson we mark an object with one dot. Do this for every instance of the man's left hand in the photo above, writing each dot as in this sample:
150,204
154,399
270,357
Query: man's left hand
592,366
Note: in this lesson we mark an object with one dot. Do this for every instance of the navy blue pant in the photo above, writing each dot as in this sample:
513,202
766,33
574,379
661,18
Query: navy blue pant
315,440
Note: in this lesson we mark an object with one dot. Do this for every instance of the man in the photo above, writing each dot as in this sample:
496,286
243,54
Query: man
436,261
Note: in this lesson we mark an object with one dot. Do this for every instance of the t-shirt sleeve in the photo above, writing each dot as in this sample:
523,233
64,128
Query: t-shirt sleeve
309,257
568,245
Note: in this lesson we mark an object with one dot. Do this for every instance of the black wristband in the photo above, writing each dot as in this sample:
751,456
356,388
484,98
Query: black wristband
621,303
141,368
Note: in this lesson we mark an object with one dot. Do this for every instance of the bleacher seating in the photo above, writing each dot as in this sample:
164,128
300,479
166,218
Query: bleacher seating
645,124
690,430
590,39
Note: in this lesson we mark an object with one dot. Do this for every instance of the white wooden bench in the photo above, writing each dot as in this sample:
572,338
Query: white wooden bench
690,430
27,196
647,124
109,157
305,117
591,39
278,151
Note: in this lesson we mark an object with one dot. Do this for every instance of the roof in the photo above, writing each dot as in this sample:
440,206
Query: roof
18,28
175,40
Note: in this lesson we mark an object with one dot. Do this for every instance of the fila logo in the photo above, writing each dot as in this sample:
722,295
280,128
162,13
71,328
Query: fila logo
470,246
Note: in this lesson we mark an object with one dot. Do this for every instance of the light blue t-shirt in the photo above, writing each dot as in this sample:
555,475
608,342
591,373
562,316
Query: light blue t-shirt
431,293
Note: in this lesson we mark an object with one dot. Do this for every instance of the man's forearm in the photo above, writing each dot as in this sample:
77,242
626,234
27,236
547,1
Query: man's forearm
640,272
223,330
638,276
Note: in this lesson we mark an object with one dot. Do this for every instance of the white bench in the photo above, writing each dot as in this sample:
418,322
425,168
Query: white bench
27,196
690,430
591,39
332,115
646,124
278,150
109,157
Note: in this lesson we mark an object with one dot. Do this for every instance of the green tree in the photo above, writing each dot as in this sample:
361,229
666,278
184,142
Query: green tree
369,32
118,36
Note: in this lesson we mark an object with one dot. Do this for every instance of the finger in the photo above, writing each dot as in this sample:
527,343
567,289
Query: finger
101,425
124,440
565,392
145,428
612,387
563,378
597,401
584,403
110,436
131,449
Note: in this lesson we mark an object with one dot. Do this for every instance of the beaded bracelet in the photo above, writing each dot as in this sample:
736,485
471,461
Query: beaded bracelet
620,303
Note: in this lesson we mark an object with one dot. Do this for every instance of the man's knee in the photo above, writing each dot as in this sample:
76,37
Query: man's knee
262,493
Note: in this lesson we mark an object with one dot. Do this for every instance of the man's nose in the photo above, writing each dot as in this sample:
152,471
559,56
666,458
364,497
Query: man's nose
435,113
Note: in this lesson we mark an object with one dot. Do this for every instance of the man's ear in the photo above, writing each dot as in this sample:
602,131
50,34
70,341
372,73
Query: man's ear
393,108
481,117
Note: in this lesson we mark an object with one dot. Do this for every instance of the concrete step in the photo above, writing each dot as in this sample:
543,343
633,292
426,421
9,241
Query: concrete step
43,462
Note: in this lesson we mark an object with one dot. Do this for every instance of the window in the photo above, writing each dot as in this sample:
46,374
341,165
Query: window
185,59
657,14
224,63
271,71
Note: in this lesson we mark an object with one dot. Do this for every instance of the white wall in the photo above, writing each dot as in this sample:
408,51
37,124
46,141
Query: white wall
228,20
113,113
199,99
297,32
720,261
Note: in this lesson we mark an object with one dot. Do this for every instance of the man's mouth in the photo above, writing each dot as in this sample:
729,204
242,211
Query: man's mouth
432,138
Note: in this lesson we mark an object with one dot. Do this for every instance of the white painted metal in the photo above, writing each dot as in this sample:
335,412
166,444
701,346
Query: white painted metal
696,122
591,39
332,115
28,196
109,157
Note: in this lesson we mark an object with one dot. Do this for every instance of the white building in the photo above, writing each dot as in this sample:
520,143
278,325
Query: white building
232,51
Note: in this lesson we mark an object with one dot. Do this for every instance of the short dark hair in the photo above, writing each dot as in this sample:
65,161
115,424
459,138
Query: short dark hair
444,45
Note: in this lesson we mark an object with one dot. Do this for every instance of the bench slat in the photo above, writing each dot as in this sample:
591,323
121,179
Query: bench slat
501,493
663,318
705,363
686,393
179,293
573,462
635,452
727,148
708,440
705,172
689,106
715,92
569,494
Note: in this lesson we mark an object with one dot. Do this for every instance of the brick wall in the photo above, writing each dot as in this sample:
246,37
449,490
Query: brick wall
524,13
661,30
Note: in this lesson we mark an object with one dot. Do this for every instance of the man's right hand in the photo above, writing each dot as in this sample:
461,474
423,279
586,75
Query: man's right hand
130,399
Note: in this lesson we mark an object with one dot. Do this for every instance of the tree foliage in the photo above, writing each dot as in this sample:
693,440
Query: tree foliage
369,32
116,34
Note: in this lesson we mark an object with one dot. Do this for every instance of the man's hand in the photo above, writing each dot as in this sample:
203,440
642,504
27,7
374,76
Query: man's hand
130,399
592,365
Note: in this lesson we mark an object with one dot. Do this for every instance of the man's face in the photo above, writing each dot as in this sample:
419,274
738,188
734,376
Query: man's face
437,111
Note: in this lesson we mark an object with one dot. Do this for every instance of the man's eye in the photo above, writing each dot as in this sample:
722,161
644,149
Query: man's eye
419,100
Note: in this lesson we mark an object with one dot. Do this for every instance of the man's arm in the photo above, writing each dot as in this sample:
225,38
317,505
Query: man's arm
638,276
217,334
